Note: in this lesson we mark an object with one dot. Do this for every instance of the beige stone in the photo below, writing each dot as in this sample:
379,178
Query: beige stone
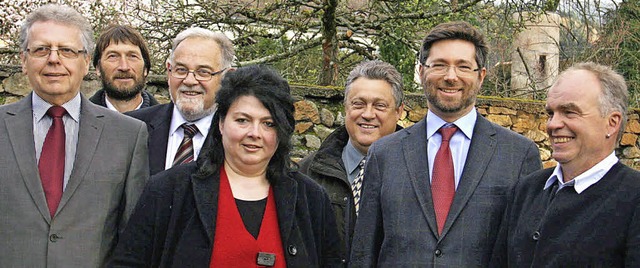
417,114
503,120
523,123
631,152
306,110
502,110
403,114
313,142
17,84
542,124
326,117
549,164
536,135
162,99
545,154
339,120
11,99
302,127
405,123
88,88
633,126
322,131
628,139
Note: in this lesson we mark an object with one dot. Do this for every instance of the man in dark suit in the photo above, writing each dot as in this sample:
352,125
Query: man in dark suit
199,59
122,62
373,105
585,212
435,197
71,172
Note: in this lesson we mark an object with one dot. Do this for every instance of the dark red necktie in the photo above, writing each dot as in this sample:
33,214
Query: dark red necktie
51,165
442,184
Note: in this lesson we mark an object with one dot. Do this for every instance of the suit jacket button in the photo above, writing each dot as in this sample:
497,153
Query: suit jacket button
536,236
292,250
438,253
54,238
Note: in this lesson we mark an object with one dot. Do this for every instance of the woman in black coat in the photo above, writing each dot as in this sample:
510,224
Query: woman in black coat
241,203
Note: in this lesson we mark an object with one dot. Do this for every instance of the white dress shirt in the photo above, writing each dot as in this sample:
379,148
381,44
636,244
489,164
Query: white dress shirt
176,134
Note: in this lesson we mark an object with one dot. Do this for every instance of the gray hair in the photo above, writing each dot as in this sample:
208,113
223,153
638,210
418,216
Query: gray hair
226,47
377,70
60,14
614,95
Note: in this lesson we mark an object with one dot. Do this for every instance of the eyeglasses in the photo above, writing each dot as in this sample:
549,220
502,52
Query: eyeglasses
200,74
63,52
442,69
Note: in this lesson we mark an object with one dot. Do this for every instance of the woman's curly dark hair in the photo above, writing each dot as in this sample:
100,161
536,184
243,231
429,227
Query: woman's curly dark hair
274,93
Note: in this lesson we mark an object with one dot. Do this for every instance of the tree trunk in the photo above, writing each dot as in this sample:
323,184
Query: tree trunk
329,72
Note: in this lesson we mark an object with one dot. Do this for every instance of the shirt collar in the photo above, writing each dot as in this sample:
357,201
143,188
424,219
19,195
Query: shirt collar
113,108
465,123
203,124
587,178
351,157
41,106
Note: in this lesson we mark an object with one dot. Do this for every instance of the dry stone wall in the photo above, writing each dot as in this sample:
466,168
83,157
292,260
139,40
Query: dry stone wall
319,111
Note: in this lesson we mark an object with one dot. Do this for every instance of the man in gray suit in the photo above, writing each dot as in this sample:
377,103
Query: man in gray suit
425,208
70,171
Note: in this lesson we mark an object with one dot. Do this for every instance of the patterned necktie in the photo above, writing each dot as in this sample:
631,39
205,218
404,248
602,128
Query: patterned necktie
442,183
51,165
356,186
185,151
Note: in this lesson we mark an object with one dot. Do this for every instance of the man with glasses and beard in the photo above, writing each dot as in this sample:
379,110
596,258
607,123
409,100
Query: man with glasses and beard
121,59
199,58
434,193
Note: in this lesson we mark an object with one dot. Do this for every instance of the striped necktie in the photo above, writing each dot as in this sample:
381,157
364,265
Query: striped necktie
185,151
356,186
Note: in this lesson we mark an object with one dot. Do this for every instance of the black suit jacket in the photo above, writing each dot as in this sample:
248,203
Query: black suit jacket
599,227
173,224
158,120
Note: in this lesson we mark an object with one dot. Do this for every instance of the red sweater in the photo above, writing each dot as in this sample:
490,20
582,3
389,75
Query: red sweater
233,245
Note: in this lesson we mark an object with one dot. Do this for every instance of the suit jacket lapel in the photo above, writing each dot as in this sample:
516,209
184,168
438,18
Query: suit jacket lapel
19,121
89,133
205,193
481,150
415,155
286,194
158,138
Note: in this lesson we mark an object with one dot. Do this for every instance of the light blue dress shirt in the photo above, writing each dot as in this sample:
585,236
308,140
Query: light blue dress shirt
459,143
42,122
351,158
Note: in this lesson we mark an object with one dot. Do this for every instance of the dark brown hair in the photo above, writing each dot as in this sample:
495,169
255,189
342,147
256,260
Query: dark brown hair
456,30
115,34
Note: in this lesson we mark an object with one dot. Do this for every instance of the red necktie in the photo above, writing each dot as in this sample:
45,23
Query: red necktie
442,183
185,151
51,165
